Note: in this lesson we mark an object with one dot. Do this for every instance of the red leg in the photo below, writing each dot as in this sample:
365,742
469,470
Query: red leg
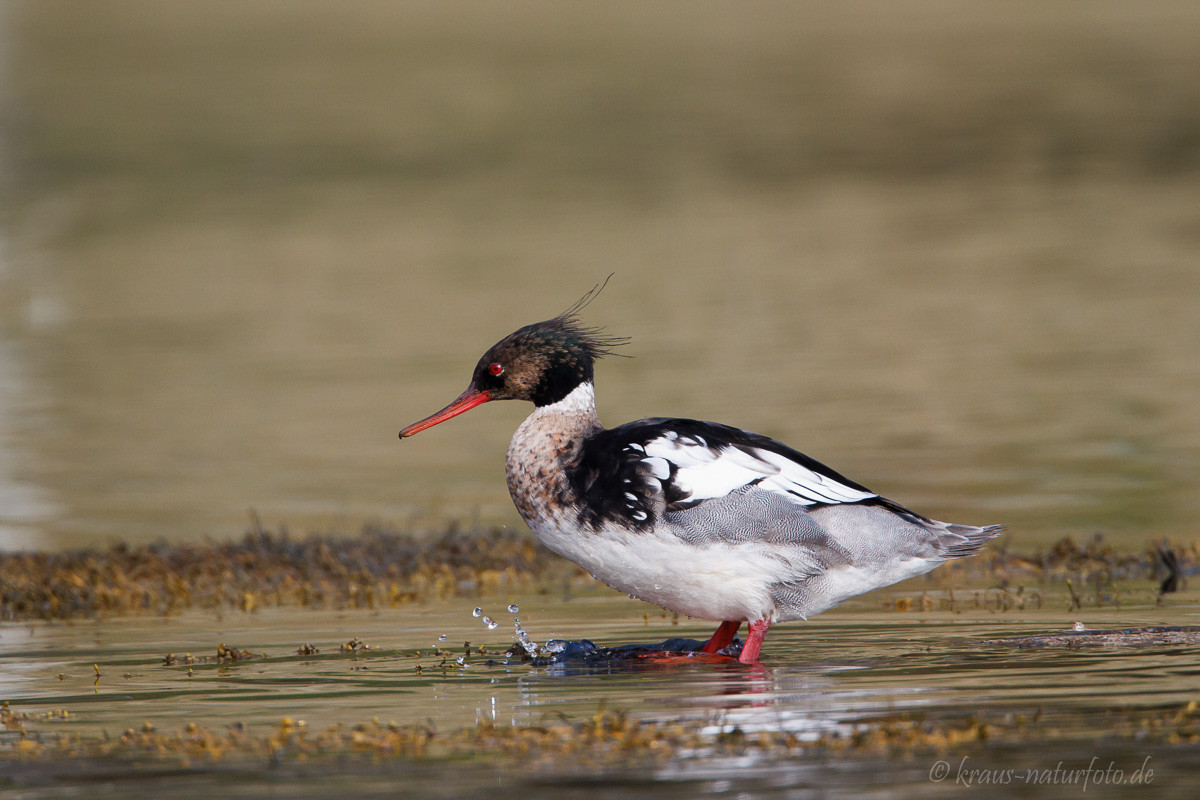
758,631
723,636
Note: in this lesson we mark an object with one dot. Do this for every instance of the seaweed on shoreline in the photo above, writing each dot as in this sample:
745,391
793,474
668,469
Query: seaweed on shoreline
387,568
379,568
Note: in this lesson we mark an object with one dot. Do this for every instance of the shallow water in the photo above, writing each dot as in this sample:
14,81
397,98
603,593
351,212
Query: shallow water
820,678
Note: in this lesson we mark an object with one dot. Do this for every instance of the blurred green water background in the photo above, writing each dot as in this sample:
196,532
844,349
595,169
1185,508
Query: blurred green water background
952,250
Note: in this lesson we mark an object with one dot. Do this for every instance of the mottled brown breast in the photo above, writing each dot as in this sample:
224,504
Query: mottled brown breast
544,447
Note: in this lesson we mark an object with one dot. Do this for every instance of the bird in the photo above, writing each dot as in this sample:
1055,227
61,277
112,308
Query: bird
700,518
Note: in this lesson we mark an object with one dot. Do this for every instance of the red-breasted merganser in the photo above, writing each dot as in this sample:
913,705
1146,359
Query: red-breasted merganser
700,518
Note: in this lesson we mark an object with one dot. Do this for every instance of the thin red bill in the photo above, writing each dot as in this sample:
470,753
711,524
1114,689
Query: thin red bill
465,402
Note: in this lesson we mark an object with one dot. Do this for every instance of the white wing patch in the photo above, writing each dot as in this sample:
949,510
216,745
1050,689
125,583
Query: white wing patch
705,472
659,467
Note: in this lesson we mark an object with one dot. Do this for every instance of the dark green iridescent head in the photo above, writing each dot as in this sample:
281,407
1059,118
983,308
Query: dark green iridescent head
542,362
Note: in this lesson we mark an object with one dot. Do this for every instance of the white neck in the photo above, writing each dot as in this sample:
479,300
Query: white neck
582,398
573,416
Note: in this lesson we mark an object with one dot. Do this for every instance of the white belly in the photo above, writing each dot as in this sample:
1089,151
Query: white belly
719,581
714,582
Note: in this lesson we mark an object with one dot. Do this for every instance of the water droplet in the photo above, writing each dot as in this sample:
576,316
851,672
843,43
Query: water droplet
442,638
488,621
513,608
492,624
461,660
555,646
477,612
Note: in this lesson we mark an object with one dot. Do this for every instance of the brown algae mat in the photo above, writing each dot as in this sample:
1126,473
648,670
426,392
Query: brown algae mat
606,737
378,569
383,568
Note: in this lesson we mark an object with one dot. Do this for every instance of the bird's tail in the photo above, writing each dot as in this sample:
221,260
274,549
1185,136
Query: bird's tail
960,541
954,541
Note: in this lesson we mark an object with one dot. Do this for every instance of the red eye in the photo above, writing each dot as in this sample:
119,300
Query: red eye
496,369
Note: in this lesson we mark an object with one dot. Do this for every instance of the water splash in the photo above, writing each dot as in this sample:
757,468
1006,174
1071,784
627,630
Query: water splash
532,649
529,645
